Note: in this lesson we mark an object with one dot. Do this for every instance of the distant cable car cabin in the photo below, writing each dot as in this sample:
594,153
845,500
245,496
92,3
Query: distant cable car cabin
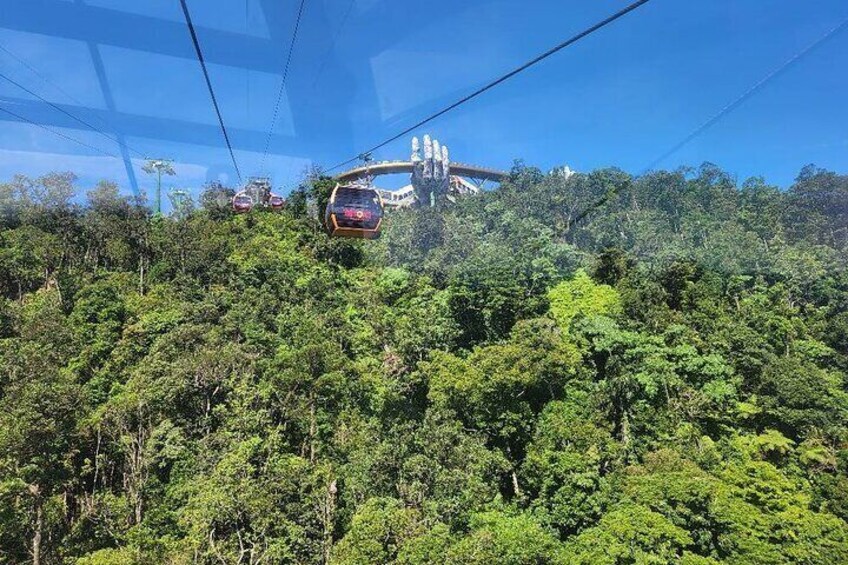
242,203
354,211
276,202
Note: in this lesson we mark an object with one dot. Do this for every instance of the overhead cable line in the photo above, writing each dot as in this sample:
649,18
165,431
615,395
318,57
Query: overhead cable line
745,95
333,43
202,62
52,83
727,109
282,84
69,114
499,80
57,133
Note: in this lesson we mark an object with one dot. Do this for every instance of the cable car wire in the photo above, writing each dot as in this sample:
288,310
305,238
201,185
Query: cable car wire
282,84
56,86
718,116
499,80
57,133
202,62
69,114
745,95
333,43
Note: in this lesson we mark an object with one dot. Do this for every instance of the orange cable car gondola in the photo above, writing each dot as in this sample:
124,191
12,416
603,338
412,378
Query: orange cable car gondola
354,211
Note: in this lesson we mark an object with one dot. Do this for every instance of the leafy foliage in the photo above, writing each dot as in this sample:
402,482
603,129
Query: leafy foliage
502,380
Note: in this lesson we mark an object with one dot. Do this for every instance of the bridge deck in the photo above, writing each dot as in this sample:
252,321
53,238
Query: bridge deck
393,167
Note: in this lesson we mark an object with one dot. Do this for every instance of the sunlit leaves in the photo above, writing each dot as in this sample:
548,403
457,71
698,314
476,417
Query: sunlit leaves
580,297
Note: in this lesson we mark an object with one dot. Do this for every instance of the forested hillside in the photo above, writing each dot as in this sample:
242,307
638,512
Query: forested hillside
662,381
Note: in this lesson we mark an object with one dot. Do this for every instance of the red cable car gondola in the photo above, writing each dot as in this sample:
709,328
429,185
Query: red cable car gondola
354,211
276,202
242,203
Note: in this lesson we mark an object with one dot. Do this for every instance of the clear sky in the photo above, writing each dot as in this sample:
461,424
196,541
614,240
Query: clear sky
362,70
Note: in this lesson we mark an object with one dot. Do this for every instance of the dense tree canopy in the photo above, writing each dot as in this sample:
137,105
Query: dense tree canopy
508,379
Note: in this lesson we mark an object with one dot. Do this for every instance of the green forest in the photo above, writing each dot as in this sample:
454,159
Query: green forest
589,369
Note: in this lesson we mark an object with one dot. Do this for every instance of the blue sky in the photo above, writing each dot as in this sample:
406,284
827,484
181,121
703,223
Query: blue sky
364,69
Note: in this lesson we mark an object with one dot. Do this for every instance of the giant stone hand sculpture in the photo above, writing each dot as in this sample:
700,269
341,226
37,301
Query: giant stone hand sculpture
430,175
